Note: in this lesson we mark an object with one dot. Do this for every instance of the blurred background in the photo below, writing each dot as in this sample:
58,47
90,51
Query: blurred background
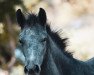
74,19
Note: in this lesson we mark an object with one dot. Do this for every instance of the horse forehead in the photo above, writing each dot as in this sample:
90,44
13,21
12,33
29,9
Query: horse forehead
28,32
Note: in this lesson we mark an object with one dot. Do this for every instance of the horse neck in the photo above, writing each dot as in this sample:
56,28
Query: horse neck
55,60
61,64
49,67
60,59
57,53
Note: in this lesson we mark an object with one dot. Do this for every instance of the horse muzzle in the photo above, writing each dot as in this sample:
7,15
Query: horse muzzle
35,70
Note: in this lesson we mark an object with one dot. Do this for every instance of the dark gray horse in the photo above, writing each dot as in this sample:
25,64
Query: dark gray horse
43,52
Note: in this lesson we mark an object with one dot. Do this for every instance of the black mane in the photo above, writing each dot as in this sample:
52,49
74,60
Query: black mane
62,43
33,19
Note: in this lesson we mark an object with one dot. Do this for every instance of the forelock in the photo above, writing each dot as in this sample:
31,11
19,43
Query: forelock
32,19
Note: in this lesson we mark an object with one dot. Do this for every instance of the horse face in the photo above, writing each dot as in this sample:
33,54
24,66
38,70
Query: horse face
32,40
33,43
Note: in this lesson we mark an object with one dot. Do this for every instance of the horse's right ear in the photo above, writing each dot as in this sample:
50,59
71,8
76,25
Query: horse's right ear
42,16
20,18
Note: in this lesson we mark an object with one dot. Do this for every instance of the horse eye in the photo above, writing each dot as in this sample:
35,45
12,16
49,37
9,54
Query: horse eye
44,40
21,42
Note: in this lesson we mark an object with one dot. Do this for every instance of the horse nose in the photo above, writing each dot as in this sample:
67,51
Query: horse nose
35,69
25,69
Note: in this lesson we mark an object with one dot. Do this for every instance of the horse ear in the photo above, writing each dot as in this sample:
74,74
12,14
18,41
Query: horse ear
42,16
20,18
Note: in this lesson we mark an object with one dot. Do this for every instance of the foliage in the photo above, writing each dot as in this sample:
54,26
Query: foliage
8,7
7,17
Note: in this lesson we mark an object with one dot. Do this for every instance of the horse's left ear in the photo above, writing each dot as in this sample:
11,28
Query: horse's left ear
42,16
20,18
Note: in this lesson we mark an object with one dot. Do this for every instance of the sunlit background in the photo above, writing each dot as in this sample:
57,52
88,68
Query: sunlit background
74,19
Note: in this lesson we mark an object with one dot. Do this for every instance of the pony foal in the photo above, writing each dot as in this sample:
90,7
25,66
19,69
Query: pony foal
43,51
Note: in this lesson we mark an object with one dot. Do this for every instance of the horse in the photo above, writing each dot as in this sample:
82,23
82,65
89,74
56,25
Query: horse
43,52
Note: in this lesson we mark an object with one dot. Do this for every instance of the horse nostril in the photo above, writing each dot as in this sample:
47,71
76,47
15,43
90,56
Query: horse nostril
36,68
25,69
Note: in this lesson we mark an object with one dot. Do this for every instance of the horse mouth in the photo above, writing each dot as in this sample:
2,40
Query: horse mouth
32,73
